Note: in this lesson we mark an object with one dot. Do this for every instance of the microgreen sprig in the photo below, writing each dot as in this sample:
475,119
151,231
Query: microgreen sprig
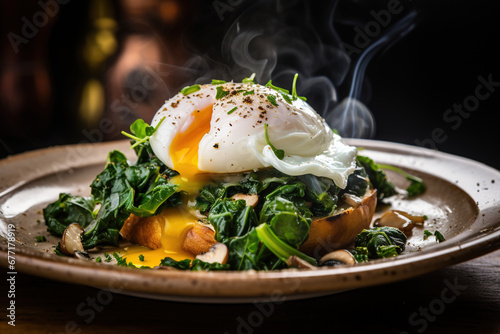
280,154
142,130
249,80
279,89
294,89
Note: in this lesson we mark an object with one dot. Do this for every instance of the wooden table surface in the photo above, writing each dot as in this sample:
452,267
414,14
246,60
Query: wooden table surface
464,298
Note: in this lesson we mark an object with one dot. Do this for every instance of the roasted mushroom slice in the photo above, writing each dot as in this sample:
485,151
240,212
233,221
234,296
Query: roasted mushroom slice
337,257
400,220
217,253
251,200
71,241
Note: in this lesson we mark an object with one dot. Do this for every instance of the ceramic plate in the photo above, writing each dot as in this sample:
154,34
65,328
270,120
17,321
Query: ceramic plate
461,202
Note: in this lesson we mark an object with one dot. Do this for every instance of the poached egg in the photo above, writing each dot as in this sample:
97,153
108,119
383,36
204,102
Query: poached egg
222,129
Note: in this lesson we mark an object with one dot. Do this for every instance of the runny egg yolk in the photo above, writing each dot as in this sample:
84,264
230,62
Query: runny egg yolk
176,221
184,146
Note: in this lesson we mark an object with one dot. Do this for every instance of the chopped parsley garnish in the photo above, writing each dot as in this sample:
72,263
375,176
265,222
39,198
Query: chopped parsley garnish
141,257
220,93
232,110
437,234
122,261
248,92
280,154
190,89
218,82
287,98
427,234
107,257
40,238
272,99
249,80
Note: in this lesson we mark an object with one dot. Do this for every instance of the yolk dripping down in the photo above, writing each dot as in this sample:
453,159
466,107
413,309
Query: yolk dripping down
176,222
185,145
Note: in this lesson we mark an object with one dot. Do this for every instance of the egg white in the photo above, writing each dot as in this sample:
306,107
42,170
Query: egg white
236,139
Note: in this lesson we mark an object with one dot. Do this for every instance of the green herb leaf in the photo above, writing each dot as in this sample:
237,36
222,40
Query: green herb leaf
141,131
98,259
249,80
248,92
294,89
279,89
280,154
122,261
220,93
439,236
190,89
138,128
232,110
141,257
272,99
287,98
218,82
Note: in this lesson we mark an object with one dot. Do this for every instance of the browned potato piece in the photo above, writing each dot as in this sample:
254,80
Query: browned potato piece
339,231
199,239
143,231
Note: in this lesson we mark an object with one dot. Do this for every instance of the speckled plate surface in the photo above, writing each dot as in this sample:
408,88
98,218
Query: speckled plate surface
462,202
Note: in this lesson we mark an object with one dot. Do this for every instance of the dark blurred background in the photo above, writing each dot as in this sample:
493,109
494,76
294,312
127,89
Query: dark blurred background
82,71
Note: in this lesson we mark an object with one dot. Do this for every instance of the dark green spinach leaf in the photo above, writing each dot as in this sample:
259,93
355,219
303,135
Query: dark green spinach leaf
66,210
380,242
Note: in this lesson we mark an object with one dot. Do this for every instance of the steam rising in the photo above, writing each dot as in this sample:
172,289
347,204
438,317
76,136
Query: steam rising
275,42
351,117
